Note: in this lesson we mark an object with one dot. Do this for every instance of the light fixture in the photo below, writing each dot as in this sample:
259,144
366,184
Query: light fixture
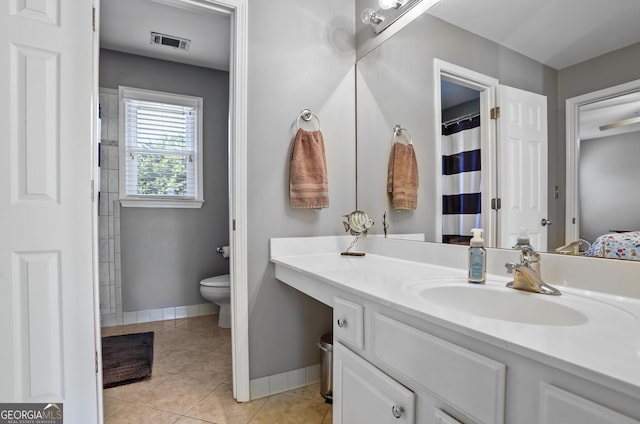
370,16
391,4
622,123
170,41
390,11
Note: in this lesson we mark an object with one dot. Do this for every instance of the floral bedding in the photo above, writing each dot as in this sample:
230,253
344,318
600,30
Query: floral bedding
617,246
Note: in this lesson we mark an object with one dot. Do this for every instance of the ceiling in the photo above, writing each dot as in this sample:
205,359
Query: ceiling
126,26
452,94
608,111
558,33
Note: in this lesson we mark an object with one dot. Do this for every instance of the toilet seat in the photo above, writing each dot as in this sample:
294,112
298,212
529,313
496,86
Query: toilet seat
217,281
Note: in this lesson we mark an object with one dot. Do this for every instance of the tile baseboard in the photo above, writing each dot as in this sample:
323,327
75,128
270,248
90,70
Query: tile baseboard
149,315
279,383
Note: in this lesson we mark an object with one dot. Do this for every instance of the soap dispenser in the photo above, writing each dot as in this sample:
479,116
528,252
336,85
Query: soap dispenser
523,242
477,258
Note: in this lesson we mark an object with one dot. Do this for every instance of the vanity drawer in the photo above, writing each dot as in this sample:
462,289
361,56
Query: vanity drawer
348,322
470,382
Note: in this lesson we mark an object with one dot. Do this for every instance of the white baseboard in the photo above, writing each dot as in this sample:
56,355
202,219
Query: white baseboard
148,315
278,383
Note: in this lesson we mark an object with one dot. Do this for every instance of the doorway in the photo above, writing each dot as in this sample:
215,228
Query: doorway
236,12
601,119
461,157
483,89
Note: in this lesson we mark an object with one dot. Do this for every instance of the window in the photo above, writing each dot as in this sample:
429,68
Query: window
160,149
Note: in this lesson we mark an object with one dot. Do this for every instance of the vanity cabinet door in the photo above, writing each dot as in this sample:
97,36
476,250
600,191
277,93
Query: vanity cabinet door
362,394
348,322
561,407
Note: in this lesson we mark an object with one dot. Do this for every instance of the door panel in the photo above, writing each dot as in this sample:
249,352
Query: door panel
522,159
46,248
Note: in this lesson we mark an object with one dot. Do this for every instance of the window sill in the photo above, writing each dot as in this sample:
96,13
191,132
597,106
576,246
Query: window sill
161,203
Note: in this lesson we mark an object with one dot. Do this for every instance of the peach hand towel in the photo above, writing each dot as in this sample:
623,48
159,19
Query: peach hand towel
308,184
402,177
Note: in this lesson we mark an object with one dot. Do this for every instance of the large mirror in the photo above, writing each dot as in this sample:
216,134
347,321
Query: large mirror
540,47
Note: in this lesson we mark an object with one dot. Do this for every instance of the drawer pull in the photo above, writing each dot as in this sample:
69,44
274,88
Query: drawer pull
342,322
397,411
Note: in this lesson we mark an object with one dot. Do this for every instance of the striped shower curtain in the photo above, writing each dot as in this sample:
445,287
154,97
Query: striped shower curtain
461,184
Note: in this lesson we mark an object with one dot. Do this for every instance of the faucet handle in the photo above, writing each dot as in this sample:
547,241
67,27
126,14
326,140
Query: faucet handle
511,267
529,257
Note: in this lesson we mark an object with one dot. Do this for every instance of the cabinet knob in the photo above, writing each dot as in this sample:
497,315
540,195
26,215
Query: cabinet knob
342,322
397,411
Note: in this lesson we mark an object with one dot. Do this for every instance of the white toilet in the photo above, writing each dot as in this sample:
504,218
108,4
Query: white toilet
217,289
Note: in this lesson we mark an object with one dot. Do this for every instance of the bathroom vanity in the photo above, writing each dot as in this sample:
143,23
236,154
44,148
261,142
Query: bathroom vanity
415,343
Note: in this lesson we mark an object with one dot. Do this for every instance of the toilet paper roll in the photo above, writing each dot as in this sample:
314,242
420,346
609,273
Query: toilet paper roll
224,250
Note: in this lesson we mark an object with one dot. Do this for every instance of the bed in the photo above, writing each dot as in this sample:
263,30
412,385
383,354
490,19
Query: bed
617,246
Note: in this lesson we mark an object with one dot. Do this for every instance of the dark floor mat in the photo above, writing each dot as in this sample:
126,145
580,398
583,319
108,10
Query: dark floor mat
126,358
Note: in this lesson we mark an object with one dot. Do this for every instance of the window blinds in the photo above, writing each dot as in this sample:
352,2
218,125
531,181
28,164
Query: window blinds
161,148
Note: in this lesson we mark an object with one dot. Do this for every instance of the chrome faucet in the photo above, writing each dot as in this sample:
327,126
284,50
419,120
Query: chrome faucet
526,274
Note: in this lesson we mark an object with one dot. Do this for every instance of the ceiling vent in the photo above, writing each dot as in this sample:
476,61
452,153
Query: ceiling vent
170,40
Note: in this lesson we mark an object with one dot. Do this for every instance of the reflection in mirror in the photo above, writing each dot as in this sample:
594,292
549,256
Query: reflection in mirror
396,84
609,158
461,162
602,159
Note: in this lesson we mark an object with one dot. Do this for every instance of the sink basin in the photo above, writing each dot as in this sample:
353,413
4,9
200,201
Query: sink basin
503,304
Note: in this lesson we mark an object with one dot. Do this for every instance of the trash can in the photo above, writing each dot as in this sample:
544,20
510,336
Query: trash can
325,343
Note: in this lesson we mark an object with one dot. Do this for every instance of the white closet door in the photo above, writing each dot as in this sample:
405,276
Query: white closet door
46,272
522,173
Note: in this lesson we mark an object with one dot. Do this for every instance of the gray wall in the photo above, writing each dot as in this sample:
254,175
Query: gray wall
301,55
596,74
395,85
608,181
166,252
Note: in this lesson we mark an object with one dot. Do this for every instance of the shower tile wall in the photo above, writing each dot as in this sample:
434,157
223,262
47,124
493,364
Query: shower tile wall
109,212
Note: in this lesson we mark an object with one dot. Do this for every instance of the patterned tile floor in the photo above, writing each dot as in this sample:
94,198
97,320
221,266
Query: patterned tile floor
191,383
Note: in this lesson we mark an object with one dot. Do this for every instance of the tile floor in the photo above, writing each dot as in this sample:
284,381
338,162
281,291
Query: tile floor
191,383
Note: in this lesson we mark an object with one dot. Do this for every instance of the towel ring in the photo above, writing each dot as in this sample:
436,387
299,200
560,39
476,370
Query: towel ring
397,132
306,115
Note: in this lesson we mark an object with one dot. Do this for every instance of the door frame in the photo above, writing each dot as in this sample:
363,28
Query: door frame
238,12
572,111
488,87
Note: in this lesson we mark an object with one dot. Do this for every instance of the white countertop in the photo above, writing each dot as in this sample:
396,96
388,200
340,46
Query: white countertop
605,348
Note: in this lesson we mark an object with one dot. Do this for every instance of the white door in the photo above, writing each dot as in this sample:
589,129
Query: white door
46,274
362,394
522,166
